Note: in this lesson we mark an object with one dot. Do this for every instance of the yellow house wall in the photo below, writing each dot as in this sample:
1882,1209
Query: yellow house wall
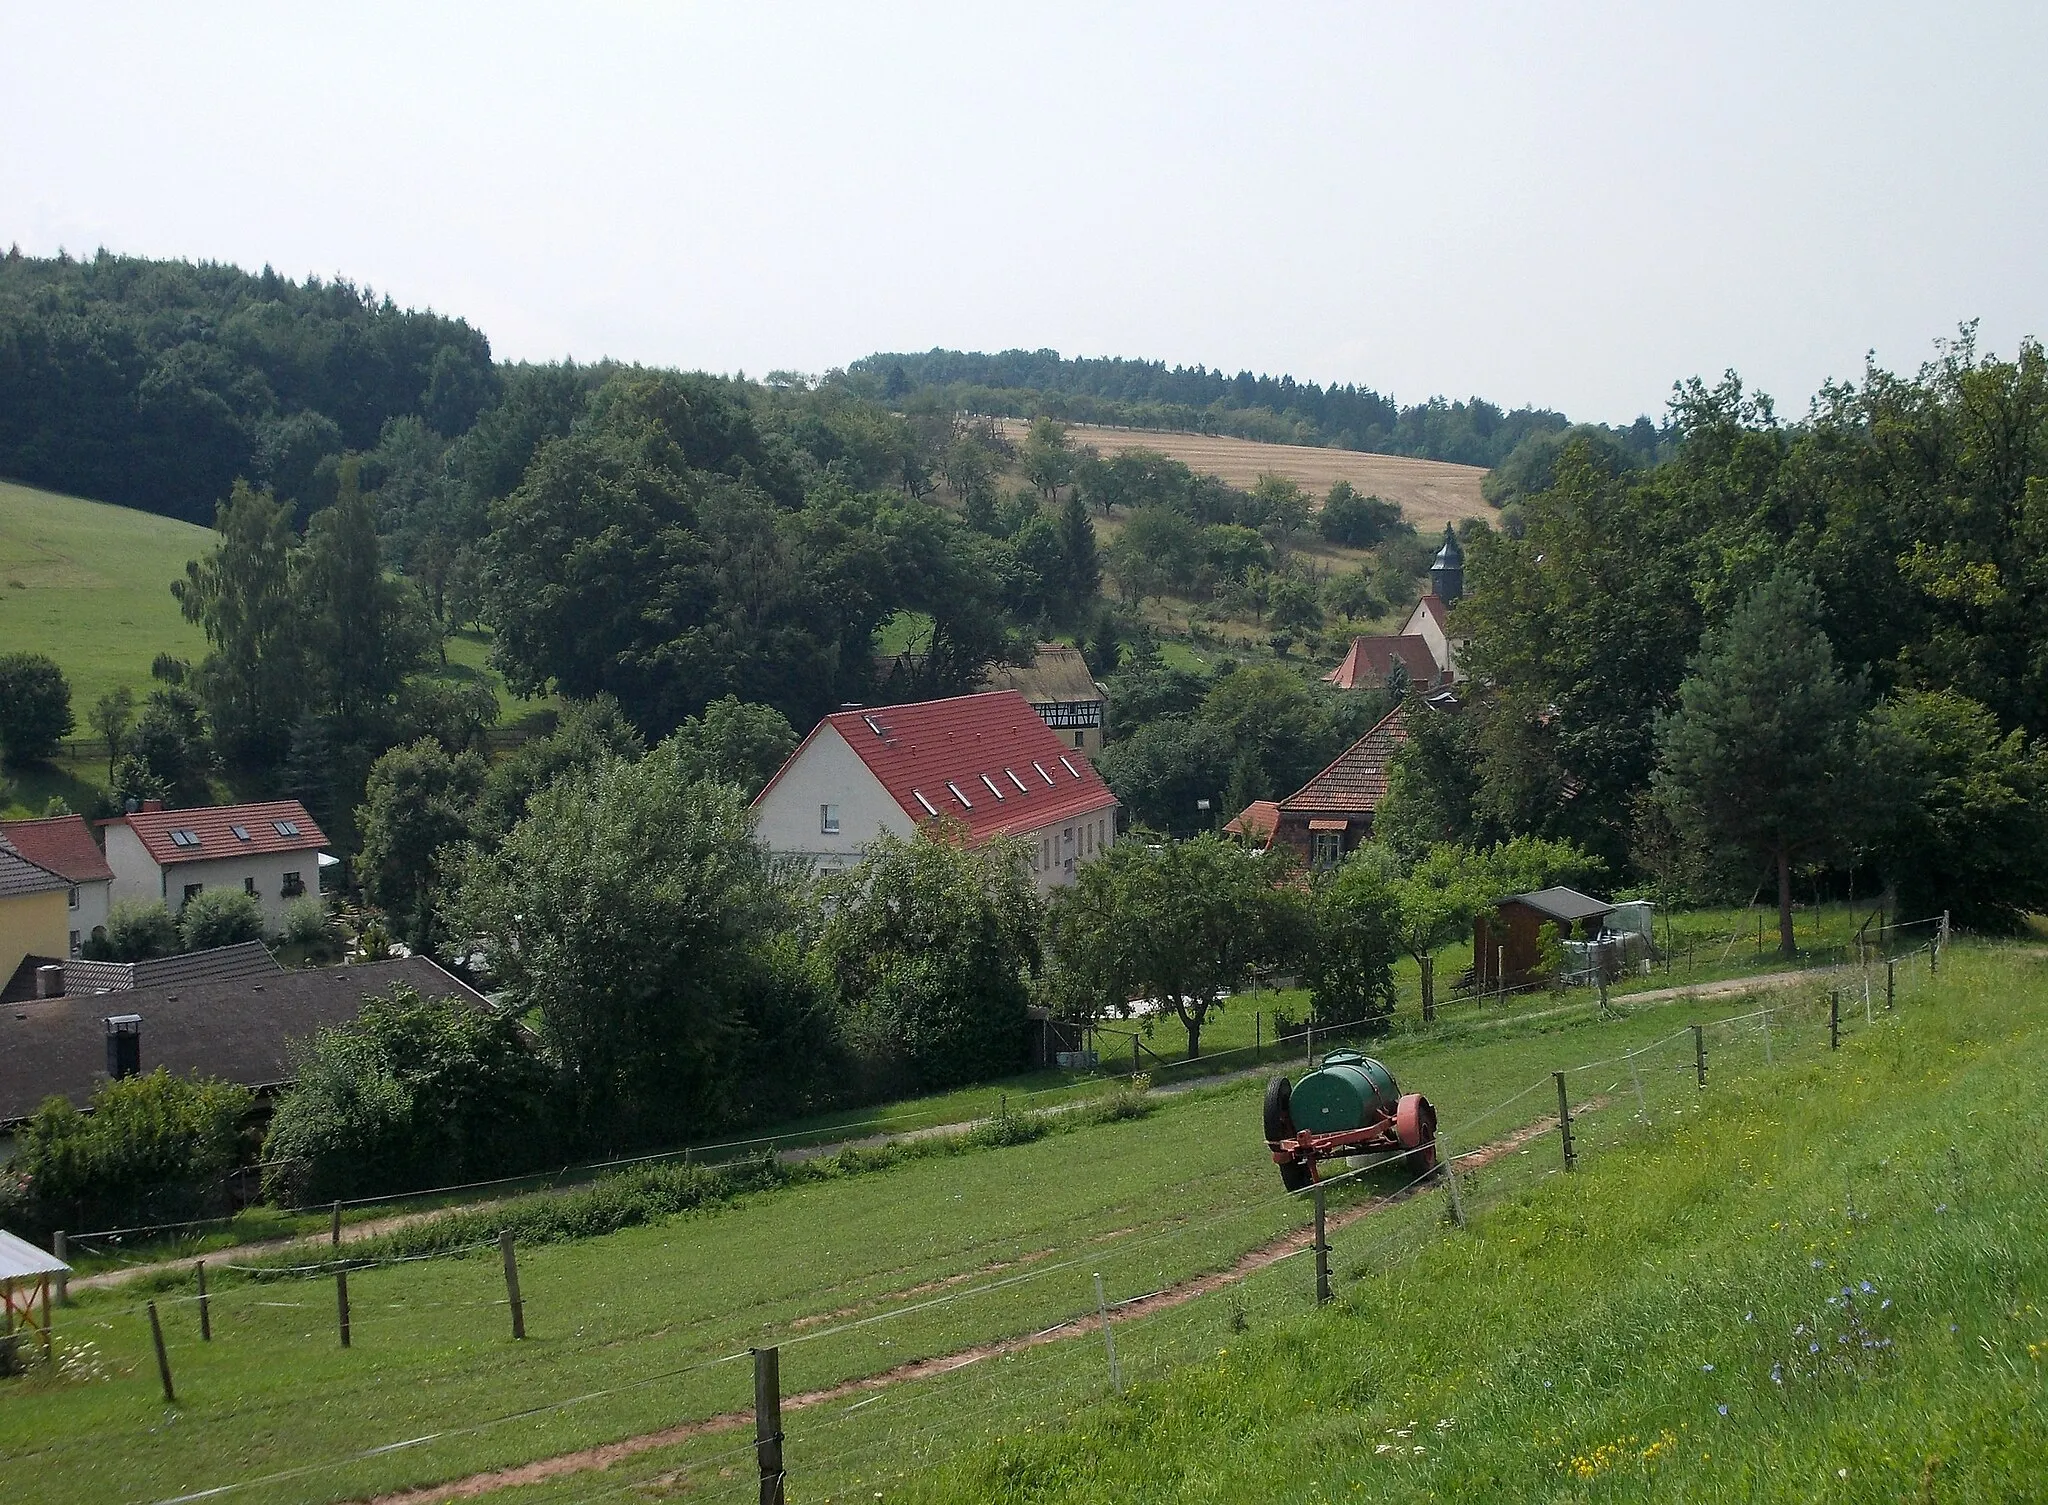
33,925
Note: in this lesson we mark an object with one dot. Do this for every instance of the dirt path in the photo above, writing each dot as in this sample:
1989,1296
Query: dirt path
1248,1264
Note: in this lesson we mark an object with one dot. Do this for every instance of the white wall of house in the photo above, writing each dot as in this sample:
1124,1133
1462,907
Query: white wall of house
137,876
827,778
1422,623
1058,850
89,903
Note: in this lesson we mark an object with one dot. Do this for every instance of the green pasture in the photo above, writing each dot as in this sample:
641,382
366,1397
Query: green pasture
869,1269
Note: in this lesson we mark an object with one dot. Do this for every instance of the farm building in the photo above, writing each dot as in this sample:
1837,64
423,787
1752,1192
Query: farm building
270,851
984,761
1061,689
239,1029
1507,940
63,844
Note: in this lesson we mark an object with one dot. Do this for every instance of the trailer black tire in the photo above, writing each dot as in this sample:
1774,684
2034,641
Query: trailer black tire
1279,1111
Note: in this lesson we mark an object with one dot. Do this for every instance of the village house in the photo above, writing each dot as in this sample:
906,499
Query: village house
987,762
270,851
1063,691
34,917
1332,814
1422,655
63,845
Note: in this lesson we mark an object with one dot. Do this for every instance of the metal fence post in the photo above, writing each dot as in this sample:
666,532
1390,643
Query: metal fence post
341,1303
1322,1251
205,1316
1564,1121
1116,1375
1699,1052
1767,1037
1891,983
1834,1018
1450,1170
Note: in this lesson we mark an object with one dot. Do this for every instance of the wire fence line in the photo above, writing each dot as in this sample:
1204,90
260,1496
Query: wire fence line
1800,1011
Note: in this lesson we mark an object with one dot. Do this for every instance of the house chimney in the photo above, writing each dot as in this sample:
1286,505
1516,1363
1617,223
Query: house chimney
124,1045
50,980
150,807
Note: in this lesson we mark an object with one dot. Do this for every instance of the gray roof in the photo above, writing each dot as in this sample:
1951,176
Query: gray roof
249,959
21,1260
238,1029
19,876
1562,904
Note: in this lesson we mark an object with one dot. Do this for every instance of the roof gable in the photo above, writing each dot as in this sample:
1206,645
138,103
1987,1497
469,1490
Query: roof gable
1356,780
986,761
19,877
1056,674
216,833
1371,659
61,843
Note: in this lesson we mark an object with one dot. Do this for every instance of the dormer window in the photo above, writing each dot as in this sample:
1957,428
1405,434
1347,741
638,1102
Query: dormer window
186,839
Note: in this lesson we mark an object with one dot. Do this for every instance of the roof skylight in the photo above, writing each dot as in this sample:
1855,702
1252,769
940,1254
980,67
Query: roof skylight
184,838
286,827
958,795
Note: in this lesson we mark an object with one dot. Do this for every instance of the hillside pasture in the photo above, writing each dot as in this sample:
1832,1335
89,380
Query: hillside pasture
934,1312
1430,492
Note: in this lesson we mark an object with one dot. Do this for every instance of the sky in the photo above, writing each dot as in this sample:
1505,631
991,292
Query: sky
1564,205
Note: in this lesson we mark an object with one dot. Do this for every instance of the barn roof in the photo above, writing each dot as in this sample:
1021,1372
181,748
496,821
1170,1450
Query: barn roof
986,761
208,833
1356,781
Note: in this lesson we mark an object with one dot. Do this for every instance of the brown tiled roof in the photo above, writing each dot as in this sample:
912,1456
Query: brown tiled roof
1056,674
1370,660
1434,605
217,831
61,843
1356,781
1256,820
240,1030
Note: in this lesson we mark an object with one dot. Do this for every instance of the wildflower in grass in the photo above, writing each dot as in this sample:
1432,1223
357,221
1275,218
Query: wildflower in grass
1777,1374
1866,1287
1706,1369
1723,1408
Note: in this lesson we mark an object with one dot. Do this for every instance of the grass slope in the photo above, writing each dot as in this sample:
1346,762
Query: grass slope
863,1272
90,585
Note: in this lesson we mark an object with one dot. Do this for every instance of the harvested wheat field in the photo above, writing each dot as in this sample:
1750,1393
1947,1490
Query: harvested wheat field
1430,492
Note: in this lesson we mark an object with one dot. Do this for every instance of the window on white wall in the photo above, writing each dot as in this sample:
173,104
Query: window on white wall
74,896
828,820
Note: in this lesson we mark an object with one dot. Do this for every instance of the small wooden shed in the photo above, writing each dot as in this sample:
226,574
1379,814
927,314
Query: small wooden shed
25,1273
1507,940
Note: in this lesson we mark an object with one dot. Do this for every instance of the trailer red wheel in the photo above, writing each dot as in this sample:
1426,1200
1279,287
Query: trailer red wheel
1415,1128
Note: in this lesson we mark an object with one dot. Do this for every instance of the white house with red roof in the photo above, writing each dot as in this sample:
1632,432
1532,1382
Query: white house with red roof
985,761
1424,650
270,851
63,844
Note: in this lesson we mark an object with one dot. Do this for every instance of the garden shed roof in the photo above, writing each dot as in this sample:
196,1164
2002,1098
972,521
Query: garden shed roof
21,1260
1562,904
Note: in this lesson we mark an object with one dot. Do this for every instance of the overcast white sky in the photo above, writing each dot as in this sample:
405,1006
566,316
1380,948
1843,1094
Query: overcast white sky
1570,205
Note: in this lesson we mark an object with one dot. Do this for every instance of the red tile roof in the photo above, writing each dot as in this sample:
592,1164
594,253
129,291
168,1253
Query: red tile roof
1256,820
986,761
61,843
1356,781
1370,660
1434,605
218,831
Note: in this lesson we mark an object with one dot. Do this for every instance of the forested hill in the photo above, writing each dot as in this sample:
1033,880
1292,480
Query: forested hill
158,383
1150,394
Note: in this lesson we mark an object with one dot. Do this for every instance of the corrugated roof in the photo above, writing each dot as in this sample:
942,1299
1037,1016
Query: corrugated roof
1356,780
61,843
1561,903
1370,659
986,761
19,877
21,1260
1057,674
222,831
240,1030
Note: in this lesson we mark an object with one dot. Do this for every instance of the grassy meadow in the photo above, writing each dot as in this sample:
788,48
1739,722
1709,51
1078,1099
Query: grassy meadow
1685,1238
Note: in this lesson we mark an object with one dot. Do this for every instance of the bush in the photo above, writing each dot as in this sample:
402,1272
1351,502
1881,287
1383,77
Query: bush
136,930
414,1092
1358,522
220,917
306,924
152,1148
35,707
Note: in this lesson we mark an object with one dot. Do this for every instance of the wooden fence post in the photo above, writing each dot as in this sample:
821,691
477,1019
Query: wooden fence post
334,1228
1699,1052
341,1303
1116,1375
1564,1121
61,1247
163,1360
1767,1037
205,1316
1834,1018
512,1283
1891,983
768,1423
1322,1250
1258,1037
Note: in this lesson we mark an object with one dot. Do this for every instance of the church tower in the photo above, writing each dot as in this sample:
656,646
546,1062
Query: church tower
1447,573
